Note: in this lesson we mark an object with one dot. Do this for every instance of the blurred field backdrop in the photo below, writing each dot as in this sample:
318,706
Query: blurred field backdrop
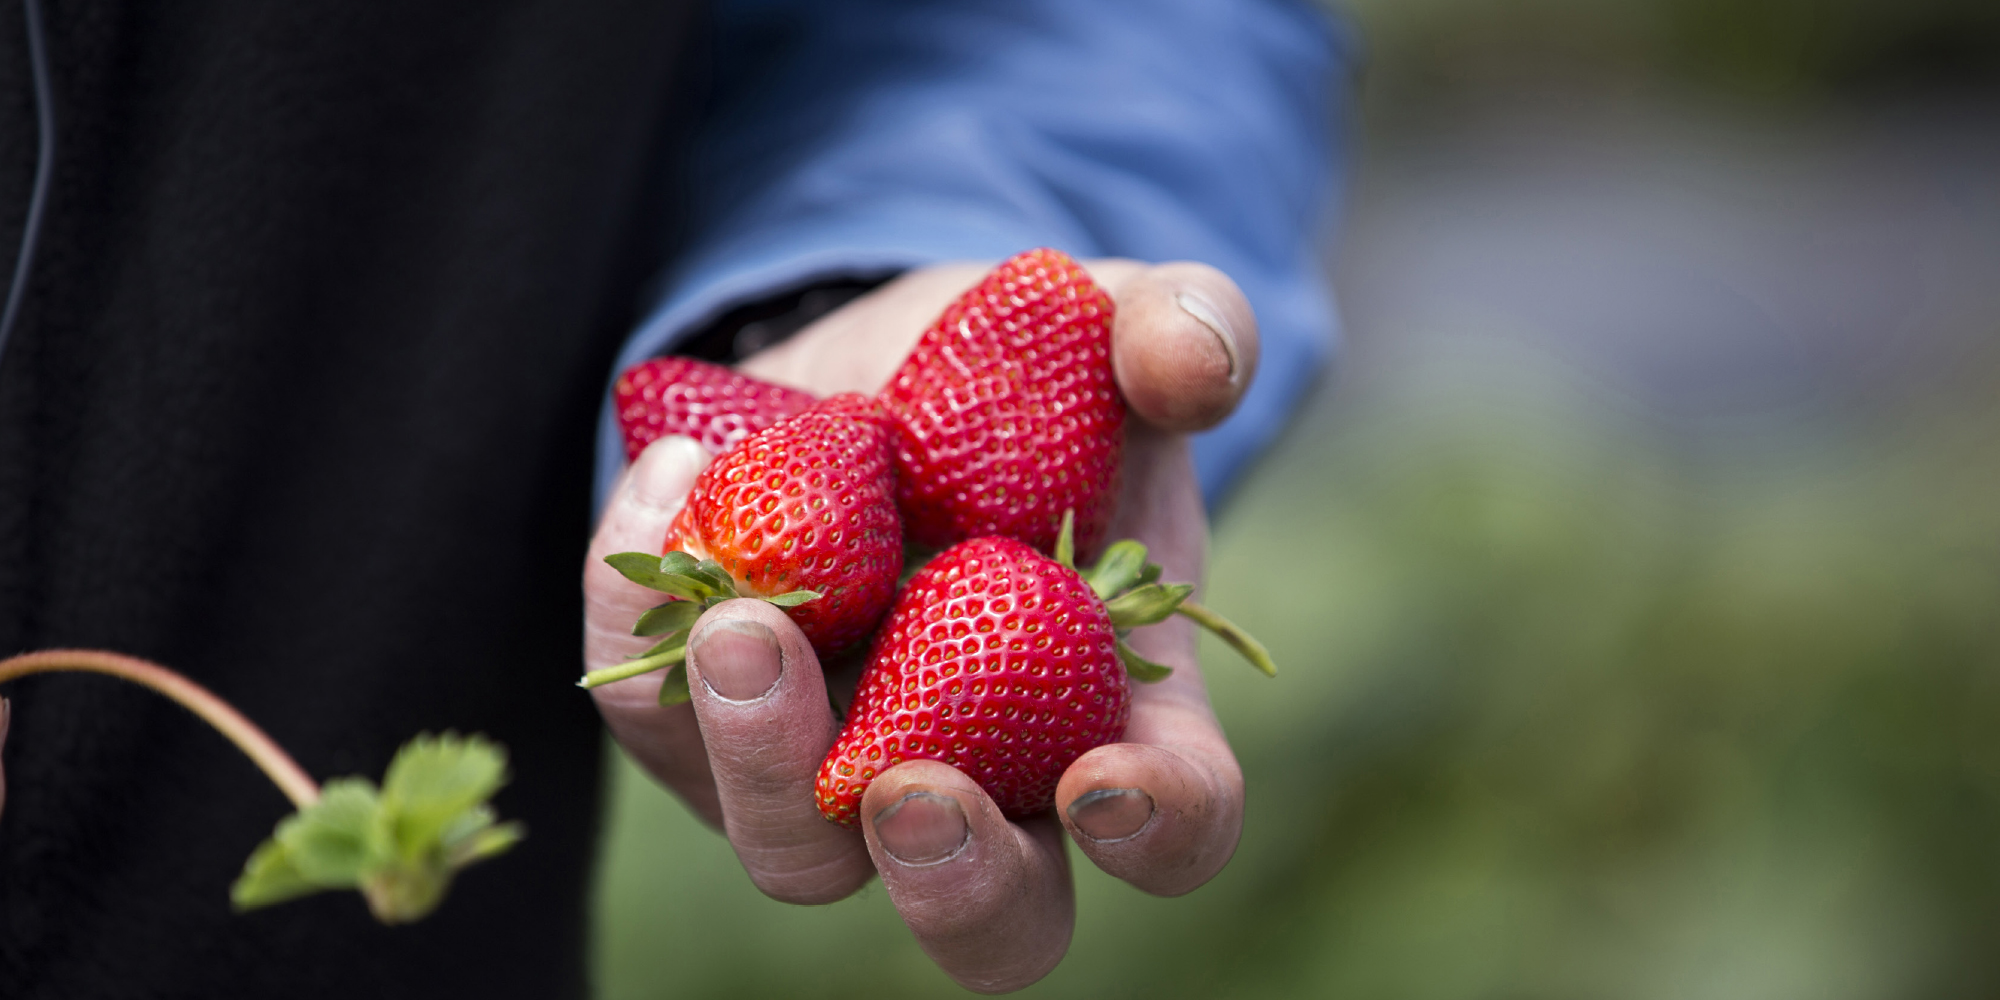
1636,578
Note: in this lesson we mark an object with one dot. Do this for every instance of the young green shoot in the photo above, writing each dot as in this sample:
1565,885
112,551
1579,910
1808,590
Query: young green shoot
399,847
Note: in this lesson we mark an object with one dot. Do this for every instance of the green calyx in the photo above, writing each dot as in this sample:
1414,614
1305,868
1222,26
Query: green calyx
1133,596
696,586
400,845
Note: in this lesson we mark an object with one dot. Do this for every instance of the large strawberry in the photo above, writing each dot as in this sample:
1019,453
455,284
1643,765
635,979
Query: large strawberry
715,405
801,514
1008,411
1008,665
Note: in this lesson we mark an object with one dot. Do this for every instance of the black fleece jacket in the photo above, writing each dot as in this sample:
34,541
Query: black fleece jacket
301,403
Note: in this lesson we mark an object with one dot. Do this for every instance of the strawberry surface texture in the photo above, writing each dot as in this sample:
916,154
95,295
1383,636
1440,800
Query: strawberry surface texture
995,659
805,504
1008,413
713,404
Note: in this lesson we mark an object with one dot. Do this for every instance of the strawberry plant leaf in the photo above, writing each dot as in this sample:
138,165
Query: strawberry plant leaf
339,839
436,782
486,842
1148,604
794,598
1141,669
672,616
674,686
644,570
711,573
678,562
269,877
1149,574
1066,540
1118,568
401,846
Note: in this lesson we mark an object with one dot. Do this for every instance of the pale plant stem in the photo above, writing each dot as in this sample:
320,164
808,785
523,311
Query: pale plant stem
1231,633
260,748
599,678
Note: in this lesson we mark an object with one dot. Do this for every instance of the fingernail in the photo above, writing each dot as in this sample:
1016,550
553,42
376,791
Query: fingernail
1195,304
1109,815
666,471
738,659
923,828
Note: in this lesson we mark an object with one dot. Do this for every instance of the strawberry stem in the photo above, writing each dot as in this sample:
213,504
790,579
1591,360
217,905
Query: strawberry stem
643,665
1232,634
255,744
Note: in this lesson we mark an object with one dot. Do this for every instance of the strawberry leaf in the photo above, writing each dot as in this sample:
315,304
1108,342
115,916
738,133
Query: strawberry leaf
1148,604
711,573
332,844
645,570
1066,540
794,598
674,686
1141,669
436,782
340,838
1117,569
678,562
269,877
672,616
400,847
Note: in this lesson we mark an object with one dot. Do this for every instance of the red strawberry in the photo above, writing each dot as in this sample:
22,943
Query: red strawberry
1007,665
715,405
1008,410
996,660
805,504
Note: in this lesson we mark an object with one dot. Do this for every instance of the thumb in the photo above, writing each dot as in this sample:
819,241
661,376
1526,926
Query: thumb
636,519
661,738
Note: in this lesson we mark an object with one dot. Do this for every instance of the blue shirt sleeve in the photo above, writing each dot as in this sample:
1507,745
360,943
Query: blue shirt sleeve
859,137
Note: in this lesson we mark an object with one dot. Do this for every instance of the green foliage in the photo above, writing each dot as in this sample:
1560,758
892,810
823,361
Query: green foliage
1148,604
696,587
668,618
674,686
1139,668
1118,569
399,847
1768,50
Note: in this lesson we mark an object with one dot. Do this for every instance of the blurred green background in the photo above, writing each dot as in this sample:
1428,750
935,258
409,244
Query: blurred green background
1636,577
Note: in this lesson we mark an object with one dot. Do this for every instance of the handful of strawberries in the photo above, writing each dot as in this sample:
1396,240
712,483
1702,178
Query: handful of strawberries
995,446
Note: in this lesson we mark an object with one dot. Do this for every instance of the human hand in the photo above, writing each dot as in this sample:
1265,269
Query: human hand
989,900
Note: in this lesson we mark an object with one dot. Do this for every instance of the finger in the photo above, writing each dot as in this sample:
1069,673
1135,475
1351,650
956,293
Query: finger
761,700
663,740
1162,810
989,901
1183,345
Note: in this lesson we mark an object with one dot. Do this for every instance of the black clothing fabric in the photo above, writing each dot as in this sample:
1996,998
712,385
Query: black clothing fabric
301,403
